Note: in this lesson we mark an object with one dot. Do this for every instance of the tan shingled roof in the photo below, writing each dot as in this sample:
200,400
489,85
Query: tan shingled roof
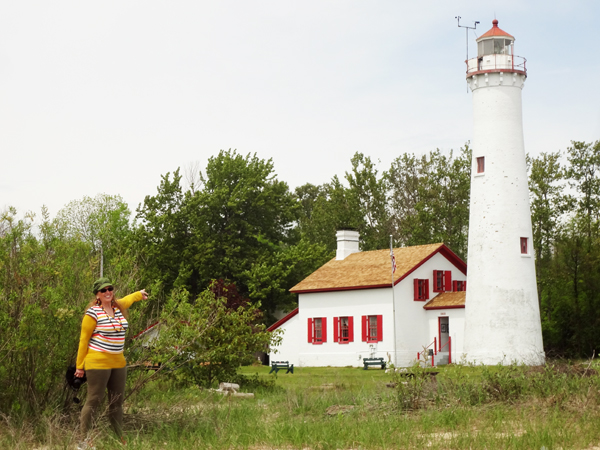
366,269
447,300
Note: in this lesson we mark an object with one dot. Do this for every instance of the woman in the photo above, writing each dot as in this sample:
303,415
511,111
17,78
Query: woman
100,354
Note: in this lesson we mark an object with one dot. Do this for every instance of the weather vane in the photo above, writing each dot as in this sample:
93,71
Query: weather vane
467,28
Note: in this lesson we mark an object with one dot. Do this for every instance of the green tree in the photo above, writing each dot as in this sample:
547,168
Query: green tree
270,279
360,204
101,221
161,235
210,337
45,281
239,216
584,159
430,199
368,196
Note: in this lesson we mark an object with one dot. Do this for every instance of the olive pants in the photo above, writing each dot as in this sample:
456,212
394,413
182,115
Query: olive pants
100,380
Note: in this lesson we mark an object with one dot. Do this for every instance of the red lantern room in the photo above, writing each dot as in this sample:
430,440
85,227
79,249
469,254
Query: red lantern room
495,53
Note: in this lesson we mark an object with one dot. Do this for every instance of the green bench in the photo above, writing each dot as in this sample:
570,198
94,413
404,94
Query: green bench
276,365
373,362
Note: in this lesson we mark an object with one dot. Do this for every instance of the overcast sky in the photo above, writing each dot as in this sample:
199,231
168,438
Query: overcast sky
105,96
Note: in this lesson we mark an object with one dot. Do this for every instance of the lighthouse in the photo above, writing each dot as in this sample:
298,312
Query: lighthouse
502,317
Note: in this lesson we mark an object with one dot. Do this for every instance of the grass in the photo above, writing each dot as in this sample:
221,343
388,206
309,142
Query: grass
468,407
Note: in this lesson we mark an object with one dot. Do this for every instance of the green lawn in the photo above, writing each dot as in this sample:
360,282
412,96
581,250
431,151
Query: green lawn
348,408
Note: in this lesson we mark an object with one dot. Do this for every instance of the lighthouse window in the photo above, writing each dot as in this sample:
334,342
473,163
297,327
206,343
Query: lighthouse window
524,250
498,46
488,47
480,164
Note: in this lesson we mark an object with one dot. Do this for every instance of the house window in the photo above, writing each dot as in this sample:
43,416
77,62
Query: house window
421,289
524,250
317,330
343,329
372,330
442,280
459,285
480,164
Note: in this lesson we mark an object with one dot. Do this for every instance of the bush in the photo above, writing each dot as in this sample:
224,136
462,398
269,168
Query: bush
206,340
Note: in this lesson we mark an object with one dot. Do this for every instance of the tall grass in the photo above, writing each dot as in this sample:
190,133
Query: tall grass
555,406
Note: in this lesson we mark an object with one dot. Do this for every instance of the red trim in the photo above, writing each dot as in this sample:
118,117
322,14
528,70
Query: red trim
440,332
336,329
283,320
480,164
431,308
445,251
147,329
437,288
524,246
495,31
365,326
477,72
448,280
350,329
421,289
345,288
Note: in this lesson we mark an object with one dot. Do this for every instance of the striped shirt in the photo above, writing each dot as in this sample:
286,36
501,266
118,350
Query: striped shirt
109,334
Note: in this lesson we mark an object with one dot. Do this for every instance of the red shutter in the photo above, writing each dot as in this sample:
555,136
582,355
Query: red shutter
435,288
310,331
379,328
416,289
324,325
336,329
454,286
350,329
465,285
426,289
365,328
447,280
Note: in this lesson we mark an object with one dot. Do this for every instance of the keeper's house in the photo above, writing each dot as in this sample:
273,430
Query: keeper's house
348,310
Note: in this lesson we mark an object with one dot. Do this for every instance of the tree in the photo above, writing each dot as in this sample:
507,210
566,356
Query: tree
101,221
270,279
161,235
239,216
430,199
548,202
584,170
45,283
368,195
210,337
360,205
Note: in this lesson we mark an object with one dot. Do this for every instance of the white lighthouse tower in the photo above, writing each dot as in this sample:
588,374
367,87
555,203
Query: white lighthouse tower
502,322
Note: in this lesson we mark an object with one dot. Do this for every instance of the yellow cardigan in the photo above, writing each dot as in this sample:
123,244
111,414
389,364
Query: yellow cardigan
92,359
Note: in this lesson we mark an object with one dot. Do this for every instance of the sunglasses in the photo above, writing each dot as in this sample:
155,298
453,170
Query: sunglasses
109,289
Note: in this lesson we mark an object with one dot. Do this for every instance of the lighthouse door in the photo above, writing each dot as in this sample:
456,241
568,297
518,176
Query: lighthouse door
444,332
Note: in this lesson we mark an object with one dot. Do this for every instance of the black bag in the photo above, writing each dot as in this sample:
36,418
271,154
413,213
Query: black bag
74,382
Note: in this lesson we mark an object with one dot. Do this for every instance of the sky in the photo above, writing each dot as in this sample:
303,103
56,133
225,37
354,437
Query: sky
105,97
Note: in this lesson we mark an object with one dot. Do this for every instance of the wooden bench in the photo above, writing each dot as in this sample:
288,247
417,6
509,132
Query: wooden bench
276,365
373,362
